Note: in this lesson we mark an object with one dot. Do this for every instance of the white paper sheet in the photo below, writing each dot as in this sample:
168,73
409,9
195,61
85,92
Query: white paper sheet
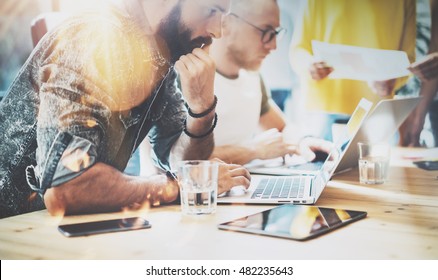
364,64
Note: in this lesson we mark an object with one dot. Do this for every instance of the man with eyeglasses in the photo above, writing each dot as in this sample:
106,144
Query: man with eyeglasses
93,89
250,33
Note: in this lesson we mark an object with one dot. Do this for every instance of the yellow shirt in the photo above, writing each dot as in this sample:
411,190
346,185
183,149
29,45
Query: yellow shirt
383,24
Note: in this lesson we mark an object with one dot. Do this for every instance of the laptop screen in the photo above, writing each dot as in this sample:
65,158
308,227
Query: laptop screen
344,139
353,125
379,125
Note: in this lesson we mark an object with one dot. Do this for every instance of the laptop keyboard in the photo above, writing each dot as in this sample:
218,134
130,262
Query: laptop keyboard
281,187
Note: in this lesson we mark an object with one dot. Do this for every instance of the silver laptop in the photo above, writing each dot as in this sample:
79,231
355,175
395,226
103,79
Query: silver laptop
379,125
306,186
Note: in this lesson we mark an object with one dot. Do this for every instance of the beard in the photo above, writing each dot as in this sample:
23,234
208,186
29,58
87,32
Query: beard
243,59
177,35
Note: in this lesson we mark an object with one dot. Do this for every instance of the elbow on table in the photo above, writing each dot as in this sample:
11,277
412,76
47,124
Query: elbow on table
55,201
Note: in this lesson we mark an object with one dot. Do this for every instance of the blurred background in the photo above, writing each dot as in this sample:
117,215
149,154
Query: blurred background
16,17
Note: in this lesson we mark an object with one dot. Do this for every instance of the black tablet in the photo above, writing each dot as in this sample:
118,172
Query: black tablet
298,222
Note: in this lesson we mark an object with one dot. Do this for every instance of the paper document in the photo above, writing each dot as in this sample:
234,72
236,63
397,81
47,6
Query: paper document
364,64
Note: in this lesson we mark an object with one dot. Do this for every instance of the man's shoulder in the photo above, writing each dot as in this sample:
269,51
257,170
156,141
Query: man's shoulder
93,24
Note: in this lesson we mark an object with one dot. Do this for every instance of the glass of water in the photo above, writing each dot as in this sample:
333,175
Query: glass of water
198,180
373,162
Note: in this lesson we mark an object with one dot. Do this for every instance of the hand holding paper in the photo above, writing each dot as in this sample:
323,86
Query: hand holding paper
320,70
427,68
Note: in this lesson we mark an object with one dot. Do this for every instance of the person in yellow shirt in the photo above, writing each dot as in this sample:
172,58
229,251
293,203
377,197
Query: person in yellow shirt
388,24
427,71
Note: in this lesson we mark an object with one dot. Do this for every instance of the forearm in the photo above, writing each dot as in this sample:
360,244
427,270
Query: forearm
189,148
234,154
428,91
196,72
273,118
103,188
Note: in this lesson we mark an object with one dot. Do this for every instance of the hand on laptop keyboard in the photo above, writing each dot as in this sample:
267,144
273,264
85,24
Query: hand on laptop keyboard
320,156
311,148
237,191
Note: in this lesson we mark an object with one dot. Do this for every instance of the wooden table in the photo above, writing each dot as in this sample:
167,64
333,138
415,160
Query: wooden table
402,223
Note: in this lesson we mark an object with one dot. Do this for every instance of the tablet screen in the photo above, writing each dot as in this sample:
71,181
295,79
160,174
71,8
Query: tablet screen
298,222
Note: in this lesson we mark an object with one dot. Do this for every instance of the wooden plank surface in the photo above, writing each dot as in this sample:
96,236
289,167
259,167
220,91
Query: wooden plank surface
402,223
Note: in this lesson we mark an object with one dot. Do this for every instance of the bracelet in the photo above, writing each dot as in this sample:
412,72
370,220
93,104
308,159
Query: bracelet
202,135
205,113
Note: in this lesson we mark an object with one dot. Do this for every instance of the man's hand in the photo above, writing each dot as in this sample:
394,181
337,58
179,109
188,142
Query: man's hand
426,69
309,145
382,88
196,71
320,70
270,144
231,175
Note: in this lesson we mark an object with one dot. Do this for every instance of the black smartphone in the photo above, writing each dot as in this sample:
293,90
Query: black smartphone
97,227
297,222
427,164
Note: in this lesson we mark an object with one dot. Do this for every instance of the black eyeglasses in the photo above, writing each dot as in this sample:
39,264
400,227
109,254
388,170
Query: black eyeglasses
267,34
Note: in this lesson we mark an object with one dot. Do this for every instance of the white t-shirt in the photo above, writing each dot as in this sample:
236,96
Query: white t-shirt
238,108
